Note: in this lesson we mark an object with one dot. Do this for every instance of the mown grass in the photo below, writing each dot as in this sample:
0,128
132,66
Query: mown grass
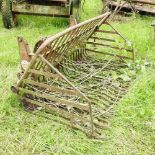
132,128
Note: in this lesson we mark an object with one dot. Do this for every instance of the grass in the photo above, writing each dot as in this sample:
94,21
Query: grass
132,129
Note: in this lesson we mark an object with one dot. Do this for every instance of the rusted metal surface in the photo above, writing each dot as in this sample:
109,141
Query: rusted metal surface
54,8
37,9
76,75
144,7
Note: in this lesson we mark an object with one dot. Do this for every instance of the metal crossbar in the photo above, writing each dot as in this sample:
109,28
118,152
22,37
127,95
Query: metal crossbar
144,7
71,74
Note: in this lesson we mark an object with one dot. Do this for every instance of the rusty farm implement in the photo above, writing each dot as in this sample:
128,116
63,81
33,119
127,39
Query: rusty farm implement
71,74
56,8
143,7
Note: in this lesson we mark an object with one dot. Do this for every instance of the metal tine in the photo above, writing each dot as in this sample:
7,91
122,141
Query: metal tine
52,54
40,65
64,48
70,37
58,42
92,74
71,66
78,65
90,27
78,55
75,41
100,93
37,66
82,29
107,110
37,63
75,55
85,55
48,41
64,40
82,119
73,70
103,87
81,54
109,100
82,72
63,121
54,43
65,70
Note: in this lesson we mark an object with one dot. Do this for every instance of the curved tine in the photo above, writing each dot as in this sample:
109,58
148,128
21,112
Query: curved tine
63,42
59,41
72,64
74,40
94,73
61,67
74,69
67,64
82,55
54,53
75,34
78,53
51,54
70,36
85,55
41,65
37,64
73,56
38,44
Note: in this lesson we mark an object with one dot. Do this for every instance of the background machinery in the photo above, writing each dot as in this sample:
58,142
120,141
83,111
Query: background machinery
56,8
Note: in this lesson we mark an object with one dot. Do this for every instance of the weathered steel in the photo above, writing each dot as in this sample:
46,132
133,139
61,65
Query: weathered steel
144,7
54,8
67,78
24,8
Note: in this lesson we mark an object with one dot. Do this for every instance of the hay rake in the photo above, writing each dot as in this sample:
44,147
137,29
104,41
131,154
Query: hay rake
71,74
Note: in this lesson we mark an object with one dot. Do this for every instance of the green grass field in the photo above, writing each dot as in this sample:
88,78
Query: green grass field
132,129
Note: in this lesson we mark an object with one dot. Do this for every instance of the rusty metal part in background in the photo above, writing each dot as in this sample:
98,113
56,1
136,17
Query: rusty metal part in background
53,8
144,7
72,73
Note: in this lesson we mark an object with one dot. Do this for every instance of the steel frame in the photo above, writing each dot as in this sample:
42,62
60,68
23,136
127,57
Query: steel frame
67,74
